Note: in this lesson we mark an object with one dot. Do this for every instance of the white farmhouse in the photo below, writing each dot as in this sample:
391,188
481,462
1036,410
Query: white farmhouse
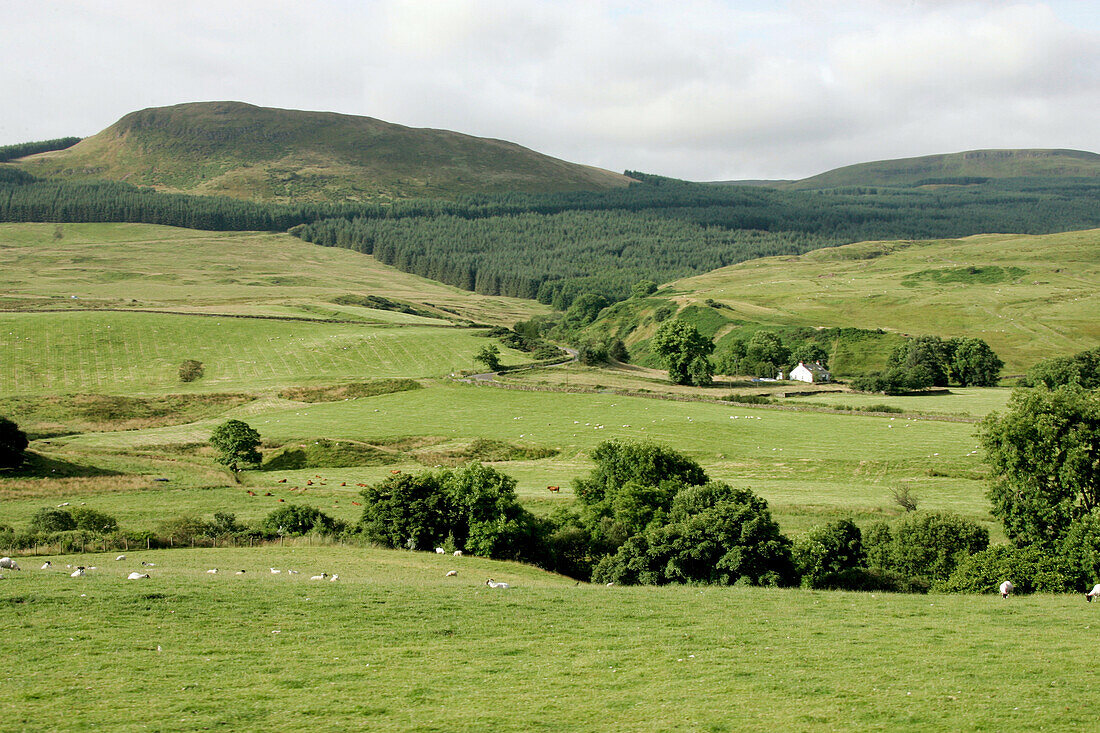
812,372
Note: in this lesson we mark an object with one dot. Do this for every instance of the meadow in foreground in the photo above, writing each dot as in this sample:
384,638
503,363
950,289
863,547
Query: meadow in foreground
395,645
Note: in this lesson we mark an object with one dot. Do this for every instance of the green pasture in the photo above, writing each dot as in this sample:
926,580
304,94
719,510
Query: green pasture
395,645
1029,297
810,466
108,352
961,401
254,273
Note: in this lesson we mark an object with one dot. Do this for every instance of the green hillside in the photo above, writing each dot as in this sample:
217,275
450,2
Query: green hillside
240,150
958,168
1029,297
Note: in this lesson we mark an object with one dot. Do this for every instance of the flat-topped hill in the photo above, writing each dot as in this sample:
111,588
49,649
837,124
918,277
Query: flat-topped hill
260,153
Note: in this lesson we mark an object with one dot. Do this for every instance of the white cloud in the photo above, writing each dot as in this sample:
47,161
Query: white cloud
706,89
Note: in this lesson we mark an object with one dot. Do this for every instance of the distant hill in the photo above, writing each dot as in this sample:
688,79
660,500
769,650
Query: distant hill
972,166
259,153
1029,297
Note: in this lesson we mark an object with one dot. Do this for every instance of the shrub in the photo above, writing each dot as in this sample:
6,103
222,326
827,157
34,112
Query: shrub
298,519
183,528
1081,549
620,462
190,370
475,507
829,550
48,519
94,521
924,545
715,534
13,444
1029,568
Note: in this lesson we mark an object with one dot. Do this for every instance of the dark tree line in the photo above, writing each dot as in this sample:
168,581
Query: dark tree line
11,152
556,247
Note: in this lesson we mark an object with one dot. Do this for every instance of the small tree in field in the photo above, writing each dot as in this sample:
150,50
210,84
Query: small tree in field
236,443
1045,456
683,348
13,442
489,356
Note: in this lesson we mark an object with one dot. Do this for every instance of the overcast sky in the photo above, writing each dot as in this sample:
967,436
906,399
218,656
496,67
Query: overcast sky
698,89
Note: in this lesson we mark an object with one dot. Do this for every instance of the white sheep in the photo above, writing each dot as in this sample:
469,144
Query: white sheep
77,573
149,564
292,572
451,573
1093,593
120,557
458,553
275,571
213,571
440,551
137,576
334,578
493,584
47,565
322,576
8,564
239,572
1006,588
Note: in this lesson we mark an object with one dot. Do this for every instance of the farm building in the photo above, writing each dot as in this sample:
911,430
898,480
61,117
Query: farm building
812,372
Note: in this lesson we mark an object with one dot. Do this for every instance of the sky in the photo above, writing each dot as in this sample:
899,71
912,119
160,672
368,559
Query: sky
696,89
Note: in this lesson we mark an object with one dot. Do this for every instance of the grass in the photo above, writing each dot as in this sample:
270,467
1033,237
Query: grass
240,273
805,464
920,288
394,645
963,401
111,353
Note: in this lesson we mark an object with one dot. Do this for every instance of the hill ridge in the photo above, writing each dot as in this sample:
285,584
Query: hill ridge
269,154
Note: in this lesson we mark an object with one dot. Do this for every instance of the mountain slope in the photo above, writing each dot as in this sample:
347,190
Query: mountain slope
259,153
972,164
1029,297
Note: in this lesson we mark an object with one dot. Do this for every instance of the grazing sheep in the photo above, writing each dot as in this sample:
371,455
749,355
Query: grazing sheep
137,576
1093,593
275,571
451,573
213,571
440,551
493,584
322,576
457,553
8,564
239,572
149,564
292,572
1006,588
47,565
77,573
64,503
334,578
120,557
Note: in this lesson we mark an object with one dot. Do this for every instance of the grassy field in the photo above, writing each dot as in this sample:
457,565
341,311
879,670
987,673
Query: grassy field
1029,297
961,401
804,463
107,352
394,645
242,273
